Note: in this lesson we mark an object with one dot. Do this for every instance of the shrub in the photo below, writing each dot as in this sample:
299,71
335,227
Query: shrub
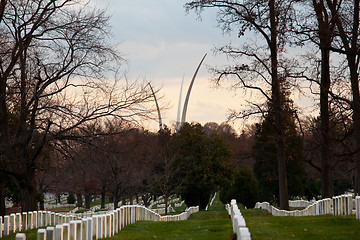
245,188
71,199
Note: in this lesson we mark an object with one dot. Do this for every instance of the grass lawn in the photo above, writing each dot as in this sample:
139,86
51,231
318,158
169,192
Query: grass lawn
98,202
30,235
213,224
82,210
178,210
207,225
264,226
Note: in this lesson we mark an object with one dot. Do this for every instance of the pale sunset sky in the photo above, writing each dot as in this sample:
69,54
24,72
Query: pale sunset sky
162,43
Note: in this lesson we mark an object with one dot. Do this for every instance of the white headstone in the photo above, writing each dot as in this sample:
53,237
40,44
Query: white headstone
128,220
103,224
1,226
52,219
18,222
133,216
41,234
100,227
35,219
24,221
39,218
89,228
108,225
84,229
116,221
357,207
66,231
112,224
244,233
72,230
59,234
30,220
78,230
56,219
121,218
341,205
12,226
125,215
317,209
20,236
48,219
50,233
94,227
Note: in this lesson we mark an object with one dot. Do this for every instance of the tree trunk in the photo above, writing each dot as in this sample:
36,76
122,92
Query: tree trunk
166,199
116,197
103,196
198,200
41,202
325,43
28,191
2,196
79,201
350,44
58,198
116,201
324,117
280,153
356,117
146,199
353,63
4,127
276,98
87,201
3,138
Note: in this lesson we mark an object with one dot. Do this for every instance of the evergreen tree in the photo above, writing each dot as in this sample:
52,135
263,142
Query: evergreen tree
264,150
205,161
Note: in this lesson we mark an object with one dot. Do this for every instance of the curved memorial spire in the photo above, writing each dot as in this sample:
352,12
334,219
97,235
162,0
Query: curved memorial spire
183,118
157,107
179,105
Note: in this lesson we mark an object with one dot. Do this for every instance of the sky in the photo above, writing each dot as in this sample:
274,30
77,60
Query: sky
162,43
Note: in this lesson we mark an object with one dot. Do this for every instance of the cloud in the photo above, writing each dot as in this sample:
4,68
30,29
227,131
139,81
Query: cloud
161,43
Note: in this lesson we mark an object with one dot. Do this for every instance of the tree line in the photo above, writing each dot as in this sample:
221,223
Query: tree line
122,161
327,33
58,73
63,96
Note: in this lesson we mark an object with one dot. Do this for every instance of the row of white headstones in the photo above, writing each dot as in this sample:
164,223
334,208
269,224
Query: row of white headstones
61,227
339,205
238,221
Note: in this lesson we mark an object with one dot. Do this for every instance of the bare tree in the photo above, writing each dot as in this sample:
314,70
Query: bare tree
167,173
55,62
269,20
326,28
347,43
315,25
